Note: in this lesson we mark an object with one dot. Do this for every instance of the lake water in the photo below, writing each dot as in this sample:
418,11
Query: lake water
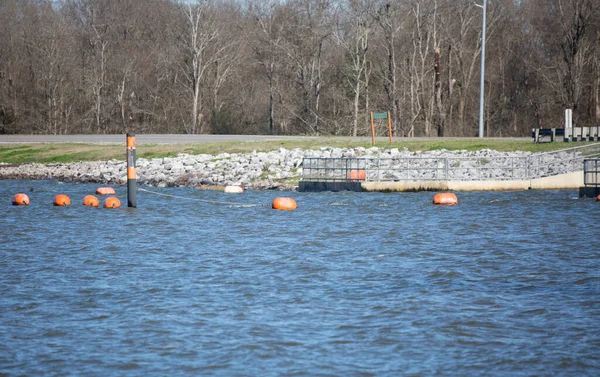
348,284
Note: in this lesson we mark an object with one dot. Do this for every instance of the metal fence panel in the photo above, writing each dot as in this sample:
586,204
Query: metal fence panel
453,168
331,169
591,172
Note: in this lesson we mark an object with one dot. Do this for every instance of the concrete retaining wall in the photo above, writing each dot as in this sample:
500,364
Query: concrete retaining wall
561,181
572,180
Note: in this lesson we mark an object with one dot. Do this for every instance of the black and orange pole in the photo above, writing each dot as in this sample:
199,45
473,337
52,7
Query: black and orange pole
131,176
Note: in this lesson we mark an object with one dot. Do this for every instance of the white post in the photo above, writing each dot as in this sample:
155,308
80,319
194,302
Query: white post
571,124
568,124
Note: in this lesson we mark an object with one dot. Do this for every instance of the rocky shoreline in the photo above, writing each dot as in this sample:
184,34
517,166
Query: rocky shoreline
276,170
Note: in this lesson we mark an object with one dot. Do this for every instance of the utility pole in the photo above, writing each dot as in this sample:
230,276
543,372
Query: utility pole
481,80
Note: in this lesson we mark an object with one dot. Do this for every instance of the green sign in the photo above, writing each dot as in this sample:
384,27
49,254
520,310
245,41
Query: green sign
379,115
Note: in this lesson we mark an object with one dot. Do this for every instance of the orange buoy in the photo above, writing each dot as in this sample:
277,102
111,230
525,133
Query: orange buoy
286,204
20,199
91,201
598,198
445,198
356,175
112,202
105,191
62,200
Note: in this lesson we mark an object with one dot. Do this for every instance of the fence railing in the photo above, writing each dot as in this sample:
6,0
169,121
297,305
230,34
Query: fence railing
591,172
449,168
331,169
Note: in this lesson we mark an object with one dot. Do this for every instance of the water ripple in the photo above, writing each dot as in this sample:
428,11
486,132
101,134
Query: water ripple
360,284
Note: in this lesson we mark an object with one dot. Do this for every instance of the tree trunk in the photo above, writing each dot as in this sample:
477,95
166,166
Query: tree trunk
448,106
356,107
597,97
271,102
438,93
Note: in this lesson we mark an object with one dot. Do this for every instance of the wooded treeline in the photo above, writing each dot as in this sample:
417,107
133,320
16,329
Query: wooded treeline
311,67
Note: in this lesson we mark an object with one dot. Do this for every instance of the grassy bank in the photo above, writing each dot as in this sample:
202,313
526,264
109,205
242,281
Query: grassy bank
73,152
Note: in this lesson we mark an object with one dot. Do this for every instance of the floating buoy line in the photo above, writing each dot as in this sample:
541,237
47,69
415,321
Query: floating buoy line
279,203
203,200
62,200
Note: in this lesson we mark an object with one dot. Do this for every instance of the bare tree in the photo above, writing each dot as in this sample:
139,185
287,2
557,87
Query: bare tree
420,77
265,40
389,19
12,70
353,36
296,67
443,93
304,40
596,80
575,17
196,39
563,49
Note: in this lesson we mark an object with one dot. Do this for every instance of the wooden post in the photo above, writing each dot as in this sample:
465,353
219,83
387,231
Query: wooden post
380,116
372,130
131,175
